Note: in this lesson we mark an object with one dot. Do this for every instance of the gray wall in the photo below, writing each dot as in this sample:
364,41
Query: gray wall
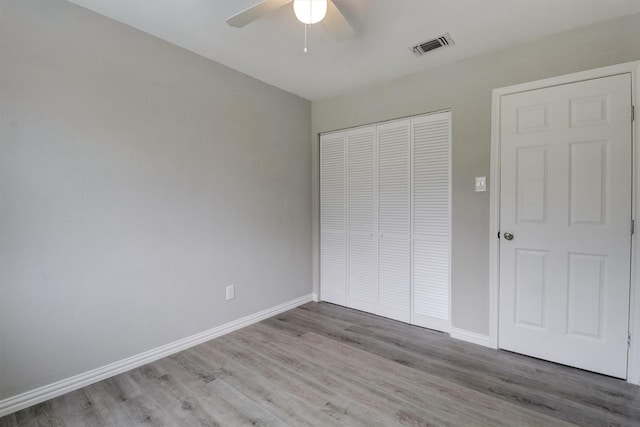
465,87
137,180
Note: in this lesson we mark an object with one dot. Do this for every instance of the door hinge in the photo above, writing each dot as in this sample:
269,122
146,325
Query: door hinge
629,339
633,227
633,113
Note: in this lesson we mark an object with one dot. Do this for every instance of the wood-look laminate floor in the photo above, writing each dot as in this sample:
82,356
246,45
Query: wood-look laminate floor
325,365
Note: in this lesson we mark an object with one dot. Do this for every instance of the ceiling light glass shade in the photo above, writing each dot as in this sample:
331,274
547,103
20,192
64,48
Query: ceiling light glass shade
310,11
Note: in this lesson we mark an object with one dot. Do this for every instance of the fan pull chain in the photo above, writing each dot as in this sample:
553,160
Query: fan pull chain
305,27
305,39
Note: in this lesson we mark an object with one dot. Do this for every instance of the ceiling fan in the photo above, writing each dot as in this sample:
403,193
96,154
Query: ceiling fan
307,11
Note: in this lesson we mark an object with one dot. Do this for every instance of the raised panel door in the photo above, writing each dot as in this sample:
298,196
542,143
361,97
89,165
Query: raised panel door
566,178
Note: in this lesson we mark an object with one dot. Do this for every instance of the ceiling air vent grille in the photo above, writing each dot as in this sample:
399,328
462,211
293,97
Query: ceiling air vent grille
429,45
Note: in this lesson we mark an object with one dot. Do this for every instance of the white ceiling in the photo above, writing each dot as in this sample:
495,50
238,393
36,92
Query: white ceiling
270,49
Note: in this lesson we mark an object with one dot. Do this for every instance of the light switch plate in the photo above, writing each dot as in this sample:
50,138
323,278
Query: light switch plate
481,183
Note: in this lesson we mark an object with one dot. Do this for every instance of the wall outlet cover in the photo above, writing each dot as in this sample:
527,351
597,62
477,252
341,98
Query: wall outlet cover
231,292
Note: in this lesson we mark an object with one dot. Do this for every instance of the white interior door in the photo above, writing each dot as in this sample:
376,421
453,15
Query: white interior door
566,173
394,283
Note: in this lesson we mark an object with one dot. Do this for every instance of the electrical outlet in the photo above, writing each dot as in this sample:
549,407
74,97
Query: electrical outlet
231,292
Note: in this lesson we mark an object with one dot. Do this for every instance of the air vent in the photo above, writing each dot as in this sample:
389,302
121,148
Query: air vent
429,45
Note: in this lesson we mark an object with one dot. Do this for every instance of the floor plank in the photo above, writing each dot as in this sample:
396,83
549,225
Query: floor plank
325,365
445,401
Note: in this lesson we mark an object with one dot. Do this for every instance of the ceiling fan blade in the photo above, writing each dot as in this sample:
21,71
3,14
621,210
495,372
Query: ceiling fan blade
254,12
337,23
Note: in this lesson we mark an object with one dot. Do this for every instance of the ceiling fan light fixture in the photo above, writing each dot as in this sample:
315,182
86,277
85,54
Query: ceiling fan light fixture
310,11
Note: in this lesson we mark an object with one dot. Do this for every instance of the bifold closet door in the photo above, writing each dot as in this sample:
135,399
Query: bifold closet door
362,281
431,220
384,216
333,232
394,201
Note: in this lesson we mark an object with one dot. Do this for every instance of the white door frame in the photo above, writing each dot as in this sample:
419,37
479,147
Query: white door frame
633,68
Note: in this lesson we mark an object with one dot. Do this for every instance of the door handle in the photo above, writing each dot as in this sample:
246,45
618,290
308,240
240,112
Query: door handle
508,236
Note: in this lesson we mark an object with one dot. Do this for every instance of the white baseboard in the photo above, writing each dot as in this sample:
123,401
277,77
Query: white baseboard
32,397
315,297
472,337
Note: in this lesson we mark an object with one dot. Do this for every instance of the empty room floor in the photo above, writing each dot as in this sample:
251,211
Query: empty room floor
325,365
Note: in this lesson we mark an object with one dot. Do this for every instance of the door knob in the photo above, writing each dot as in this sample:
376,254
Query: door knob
508,236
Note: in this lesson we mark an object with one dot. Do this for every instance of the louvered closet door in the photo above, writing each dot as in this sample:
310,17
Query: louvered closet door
362,279
333,265
431,220
394,285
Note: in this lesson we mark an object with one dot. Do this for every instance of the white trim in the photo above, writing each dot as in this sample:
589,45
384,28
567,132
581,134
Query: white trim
633,366
450,248
494,222
32,397
468,336
315,297
633,363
